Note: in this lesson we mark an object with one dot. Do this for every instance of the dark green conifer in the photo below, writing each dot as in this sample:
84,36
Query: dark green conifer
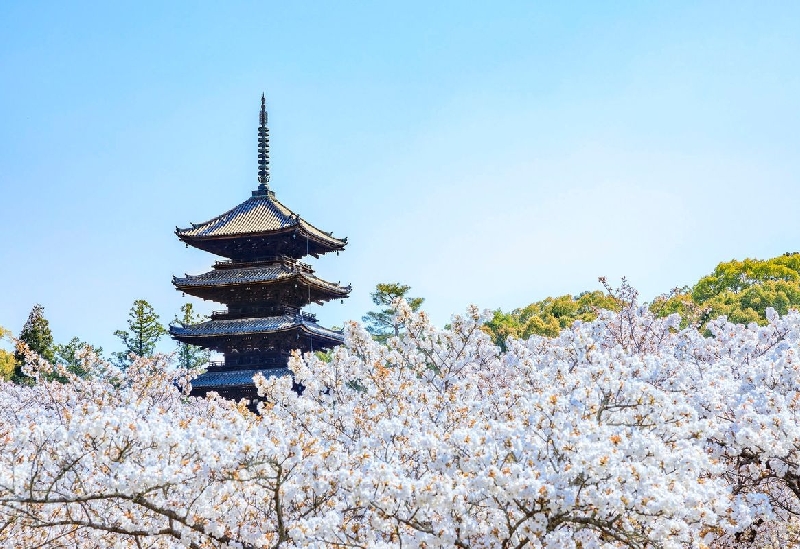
144,331
37,335
381,323
191,357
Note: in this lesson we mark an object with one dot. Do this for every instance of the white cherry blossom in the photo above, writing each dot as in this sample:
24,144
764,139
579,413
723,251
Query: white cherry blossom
623,432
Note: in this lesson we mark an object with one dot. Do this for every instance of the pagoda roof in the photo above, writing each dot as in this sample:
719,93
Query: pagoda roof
253,326
262,274
261,214
228,378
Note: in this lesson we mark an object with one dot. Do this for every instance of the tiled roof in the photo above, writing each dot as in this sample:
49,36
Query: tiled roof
254,326
264,273
260,213
235,377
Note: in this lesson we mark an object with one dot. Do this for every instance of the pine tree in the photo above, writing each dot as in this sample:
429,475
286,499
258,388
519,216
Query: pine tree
37,335
381,323
191,357
144,332
68,354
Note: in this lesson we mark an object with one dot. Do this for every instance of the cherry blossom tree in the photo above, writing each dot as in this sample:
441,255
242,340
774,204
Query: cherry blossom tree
626,431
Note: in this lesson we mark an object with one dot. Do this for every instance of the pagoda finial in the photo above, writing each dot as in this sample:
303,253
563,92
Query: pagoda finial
263,147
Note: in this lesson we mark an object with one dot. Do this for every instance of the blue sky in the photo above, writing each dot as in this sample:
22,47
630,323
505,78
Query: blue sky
489,153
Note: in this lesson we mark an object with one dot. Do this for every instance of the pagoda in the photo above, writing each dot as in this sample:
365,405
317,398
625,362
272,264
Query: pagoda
263,285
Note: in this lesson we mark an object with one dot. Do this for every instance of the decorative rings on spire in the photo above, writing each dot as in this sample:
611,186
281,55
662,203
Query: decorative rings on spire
263,145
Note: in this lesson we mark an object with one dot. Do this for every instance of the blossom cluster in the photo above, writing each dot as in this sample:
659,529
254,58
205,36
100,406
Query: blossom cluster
622,432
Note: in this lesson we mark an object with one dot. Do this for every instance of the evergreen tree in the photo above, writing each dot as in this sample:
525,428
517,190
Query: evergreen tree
68,355
37,335
144,331
381,323
191,357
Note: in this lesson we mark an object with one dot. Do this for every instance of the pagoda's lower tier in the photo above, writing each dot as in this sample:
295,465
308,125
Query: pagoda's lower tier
252,345
234,384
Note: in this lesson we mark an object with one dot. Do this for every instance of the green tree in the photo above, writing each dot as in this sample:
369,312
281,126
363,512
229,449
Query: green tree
68,354
144,331
37,335
741,290
549,316
736,276
7,365
191,357
381,323
7,361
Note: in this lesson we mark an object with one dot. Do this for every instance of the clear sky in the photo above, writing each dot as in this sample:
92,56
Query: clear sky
493,153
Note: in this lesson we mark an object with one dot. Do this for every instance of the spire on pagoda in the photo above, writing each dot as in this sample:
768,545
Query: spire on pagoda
263,147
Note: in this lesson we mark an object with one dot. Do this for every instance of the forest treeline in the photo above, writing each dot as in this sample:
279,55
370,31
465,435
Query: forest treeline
139,340
740,290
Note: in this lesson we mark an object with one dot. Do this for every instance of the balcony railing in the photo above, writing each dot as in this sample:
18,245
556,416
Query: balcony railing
231,314
285,259
250,362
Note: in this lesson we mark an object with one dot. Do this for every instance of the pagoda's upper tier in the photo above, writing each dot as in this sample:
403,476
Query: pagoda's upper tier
260,227
288,282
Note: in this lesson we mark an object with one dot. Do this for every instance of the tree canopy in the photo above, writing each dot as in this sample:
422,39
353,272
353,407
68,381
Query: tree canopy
191,357
7,360
37,336
740,290
144,331
382,323
70,355
625,431
549,316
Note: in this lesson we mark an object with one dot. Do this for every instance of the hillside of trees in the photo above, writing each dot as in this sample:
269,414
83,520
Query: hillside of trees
742,291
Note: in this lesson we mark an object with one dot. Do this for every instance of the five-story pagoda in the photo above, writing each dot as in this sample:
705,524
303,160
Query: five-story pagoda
263,285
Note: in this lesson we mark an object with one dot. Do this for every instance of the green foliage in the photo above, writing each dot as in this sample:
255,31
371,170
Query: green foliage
7,365
750,304
678,300
549,316
68,354
191,357
327,355
144,331
381,323
736,276
39,339
740,290
7,361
